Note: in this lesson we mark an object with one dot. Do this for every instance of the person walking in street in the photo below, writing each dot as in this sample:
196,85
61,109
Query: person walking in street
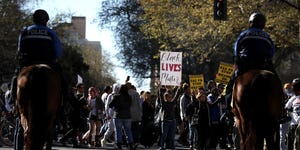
78,117
136,113
185,100
284,126
148,134
109,112
121,104
168,121
215,115
107,90
293,105
96,108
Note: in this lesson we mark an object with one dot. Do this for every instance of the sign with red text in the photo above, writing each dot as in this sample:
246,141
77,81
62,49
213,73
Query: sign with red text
170,68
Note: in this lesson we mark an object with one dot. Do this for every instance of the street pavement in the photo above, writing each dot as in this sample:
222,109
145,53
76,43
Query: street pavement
58,146
108,147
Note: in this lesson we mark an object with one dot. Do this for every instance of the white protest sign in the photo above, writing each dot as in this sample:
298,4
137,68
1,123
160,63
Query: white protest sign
79,79
170,68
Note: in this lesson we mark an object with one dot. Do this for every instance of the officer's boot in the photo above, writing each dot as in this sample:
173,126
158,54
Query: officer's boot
14,88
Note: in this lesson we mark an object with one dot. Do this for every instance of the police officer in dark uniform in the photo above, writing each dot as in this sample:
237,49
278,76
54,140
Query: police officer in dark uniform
38,44
253,49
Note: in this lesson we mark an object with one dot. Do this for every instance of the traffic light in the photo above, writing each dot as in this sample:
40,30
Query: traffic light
220,9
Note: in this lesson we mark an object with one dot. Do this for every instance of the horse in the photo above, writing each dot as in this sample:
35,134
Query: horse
257,103
39,97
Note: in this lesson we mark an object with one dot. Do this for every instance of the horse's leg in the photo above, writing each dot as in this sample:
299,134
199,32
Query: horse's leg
242,126
273,141
53,107
258,142
38,137
252,140
249,139
32,138
49,141
242,134
41,121
27,137
239,125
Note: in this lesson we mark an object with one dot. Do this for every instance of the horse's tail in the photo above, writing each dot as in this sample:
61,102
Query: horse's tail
266,102
258,106
43,94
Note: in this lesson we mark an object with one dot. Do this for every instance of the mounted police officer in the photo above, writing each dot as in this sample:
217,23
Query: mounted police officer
253,49
37,44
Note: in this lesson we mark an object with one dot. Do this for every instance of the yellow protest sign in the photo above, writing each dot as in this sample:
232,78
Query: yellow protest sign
224,73
196,81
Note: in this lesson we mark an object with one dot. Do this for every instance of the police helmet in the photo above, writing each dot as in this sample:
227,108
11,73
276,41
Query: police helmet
296,84
257,20
40,16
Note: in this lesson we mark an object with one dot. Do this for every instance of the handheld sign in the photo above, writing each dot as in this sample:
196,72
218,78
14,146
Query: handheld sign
170,68
224,73
196,81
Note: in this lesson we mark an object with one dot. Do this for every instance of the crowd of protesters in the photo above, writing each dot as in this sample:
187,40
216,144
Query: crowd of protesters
119,114
132,118
122,116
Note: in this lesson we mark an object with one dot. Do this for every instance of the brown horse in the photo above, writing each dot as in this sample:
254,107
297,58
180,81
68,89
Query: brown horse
257,102
38,99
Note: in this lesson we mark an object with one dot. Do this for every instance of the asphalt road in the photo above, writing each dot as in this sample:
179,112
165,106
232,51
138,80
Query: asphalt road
109,147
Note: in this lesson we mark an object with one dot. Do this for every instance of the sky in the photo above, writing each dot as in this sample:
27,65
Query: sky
89,9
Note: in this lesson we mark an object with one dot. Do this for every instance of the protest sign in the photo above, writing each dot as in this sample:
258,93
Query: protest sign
170,68
224,73
196,81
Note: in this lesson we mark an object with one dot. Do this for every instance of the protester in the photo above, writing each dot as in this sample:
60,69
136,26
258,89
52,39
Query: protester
109,112
293,105
168,124
121,104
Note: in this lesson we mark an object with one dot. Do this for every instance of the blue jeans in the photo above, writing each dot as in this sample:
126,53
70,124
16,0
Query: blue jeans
121,124
193,135
19,136
168,134
284,128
